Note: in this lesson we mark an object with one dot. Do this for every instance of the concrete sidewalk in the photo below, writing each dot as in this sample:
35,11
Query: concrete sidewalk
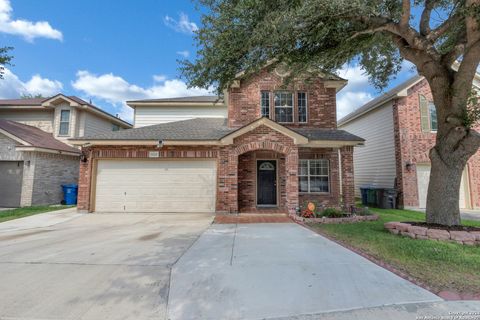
258,271
40,220
430,310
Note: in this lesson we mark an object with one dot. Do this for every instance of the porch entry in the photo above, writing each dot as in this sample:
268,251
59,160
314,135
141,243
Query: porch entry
266,182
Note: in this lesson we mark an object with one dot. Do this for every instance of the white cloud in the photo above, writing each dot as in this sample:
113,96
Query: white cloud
183,25
12,87
43,86
348,101
159,78
355,94
27,29
115,90
184,53
359,91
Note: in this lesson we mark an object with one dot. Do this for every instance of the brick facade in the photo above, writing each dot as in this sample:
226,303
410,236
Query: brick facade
43,173
412,147
244,102
236,162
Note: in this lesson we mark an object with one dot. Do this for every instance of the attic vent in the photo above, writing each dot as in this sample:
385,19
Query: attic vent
282,70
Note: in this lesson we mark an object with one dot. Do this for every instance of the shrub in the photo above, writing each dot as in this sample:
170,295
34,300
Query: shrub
364,211
332,213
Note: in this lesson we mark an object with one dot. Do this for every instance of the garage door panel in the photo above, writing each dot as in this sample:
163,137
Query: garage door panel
156,186
423,179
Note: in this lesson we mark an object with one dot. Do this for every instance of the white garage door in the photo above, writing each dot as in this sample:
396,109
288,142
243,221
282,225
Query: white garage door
423,178
155,186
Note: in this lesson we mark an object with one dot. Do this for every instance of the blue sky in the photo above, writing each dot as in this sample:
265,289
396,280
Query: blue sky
112,51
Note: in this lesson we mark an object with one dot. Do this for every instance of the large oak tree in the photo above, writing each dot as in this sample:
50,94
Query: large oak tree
310,34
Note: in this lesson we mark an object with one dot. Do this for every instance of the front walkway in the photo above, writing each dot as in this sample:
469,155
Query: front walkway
255,271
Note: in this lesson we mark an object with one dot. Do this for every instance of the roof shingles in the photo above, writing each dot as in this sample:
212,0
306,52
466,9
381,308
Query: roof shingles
35,137
207,129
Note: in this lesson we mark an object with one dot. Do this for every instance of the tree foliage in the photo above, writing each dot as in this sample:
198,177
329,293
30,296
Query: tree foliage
5,59
245,34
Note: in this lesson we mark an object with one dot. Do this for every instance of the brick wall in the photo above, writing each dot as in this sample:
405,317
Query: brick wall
236,179
412,145
247,179
244,102
50,172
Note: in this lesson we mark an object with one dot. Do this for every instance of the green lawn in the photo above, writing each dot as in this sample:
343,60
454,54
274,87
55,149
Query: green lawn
11,214
440,265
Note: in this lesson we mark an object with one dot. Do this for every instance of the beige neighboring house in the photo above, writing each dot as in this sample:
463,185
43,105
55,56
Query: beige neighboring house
158,111
35,155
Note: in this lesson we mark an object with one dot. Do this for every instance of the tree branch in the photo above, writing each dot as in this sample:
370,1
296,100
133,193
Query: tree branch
405,19
444,27
425,18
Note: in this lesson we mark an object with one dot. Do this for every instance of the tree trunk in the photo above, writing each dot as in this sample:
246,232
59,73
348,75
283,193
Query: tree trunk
444,190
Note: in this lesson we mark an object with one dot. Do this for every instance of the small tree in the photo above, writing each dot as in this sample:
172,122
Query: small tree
5,59
326,34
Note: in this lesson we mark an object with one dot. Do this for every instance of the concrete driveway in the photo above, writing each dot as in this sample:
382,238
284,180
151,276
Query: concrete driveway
93,266
257,271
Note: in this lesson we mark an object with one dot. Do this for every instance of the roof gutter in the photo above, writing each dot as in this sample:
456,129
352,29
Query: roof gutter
39,149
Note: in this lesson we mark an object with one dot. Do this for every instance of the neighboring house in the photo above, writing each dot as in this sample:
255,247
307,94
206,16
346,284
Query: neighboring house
277,148
400,129
35,157
155,111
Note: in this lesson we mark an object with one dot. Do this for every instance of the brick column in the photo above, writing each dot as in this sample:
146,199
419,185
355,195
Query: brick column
348,186
291,165
227,190
84,182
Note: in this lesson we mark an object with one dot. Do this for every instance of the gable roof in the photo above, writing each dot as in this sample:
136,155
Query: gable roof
210,131
398,91
34,137
80,102
46,102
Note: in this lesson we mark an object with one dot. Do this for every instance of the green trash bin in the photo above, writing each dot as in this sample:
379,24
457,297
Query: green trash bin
372,200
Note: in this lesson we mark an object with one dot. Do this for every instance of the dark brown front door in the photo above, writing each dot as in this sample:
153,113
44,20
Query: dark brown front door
266,182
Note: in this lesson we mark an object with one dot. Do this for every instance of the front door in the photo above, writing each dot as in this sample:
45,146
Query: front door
266,182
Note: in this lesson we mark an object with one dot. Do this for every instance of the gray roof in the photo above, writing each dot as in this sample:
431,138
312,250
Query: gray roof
194,129
194,99
35,137
206,129
328,135
378,101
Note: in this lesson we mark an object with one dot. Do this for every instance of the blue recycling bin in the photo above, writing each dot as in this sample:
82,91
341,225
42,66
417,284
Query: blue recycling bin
70,193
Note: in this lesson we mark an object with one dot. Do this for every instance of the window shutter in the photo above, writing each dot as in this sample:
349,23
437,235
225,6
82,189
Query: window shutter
424,113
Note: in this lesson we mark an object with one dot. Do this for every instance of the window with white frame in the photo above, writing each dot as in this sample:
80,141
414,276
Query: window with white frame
428,115
265,104
283,103
64,123
302,106
313,175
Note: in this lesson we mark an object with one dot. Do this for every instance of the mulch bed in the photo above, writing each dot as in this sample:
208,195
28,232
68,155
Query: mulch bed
442,227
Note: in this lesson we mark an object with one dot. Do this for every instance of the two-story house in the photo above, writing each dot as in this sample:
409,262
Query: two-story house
35,155
400,129
263,147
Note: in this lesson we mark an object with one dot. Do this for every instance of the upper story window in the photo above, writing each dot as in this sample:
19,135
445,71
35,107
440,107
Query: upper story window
283,106
428,115
302,106
313,175
64,123
265,104
115,127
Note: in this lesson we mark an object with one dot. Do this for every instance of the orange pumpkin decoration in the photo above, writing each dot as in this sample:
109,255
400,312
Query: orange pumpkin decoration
311,206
